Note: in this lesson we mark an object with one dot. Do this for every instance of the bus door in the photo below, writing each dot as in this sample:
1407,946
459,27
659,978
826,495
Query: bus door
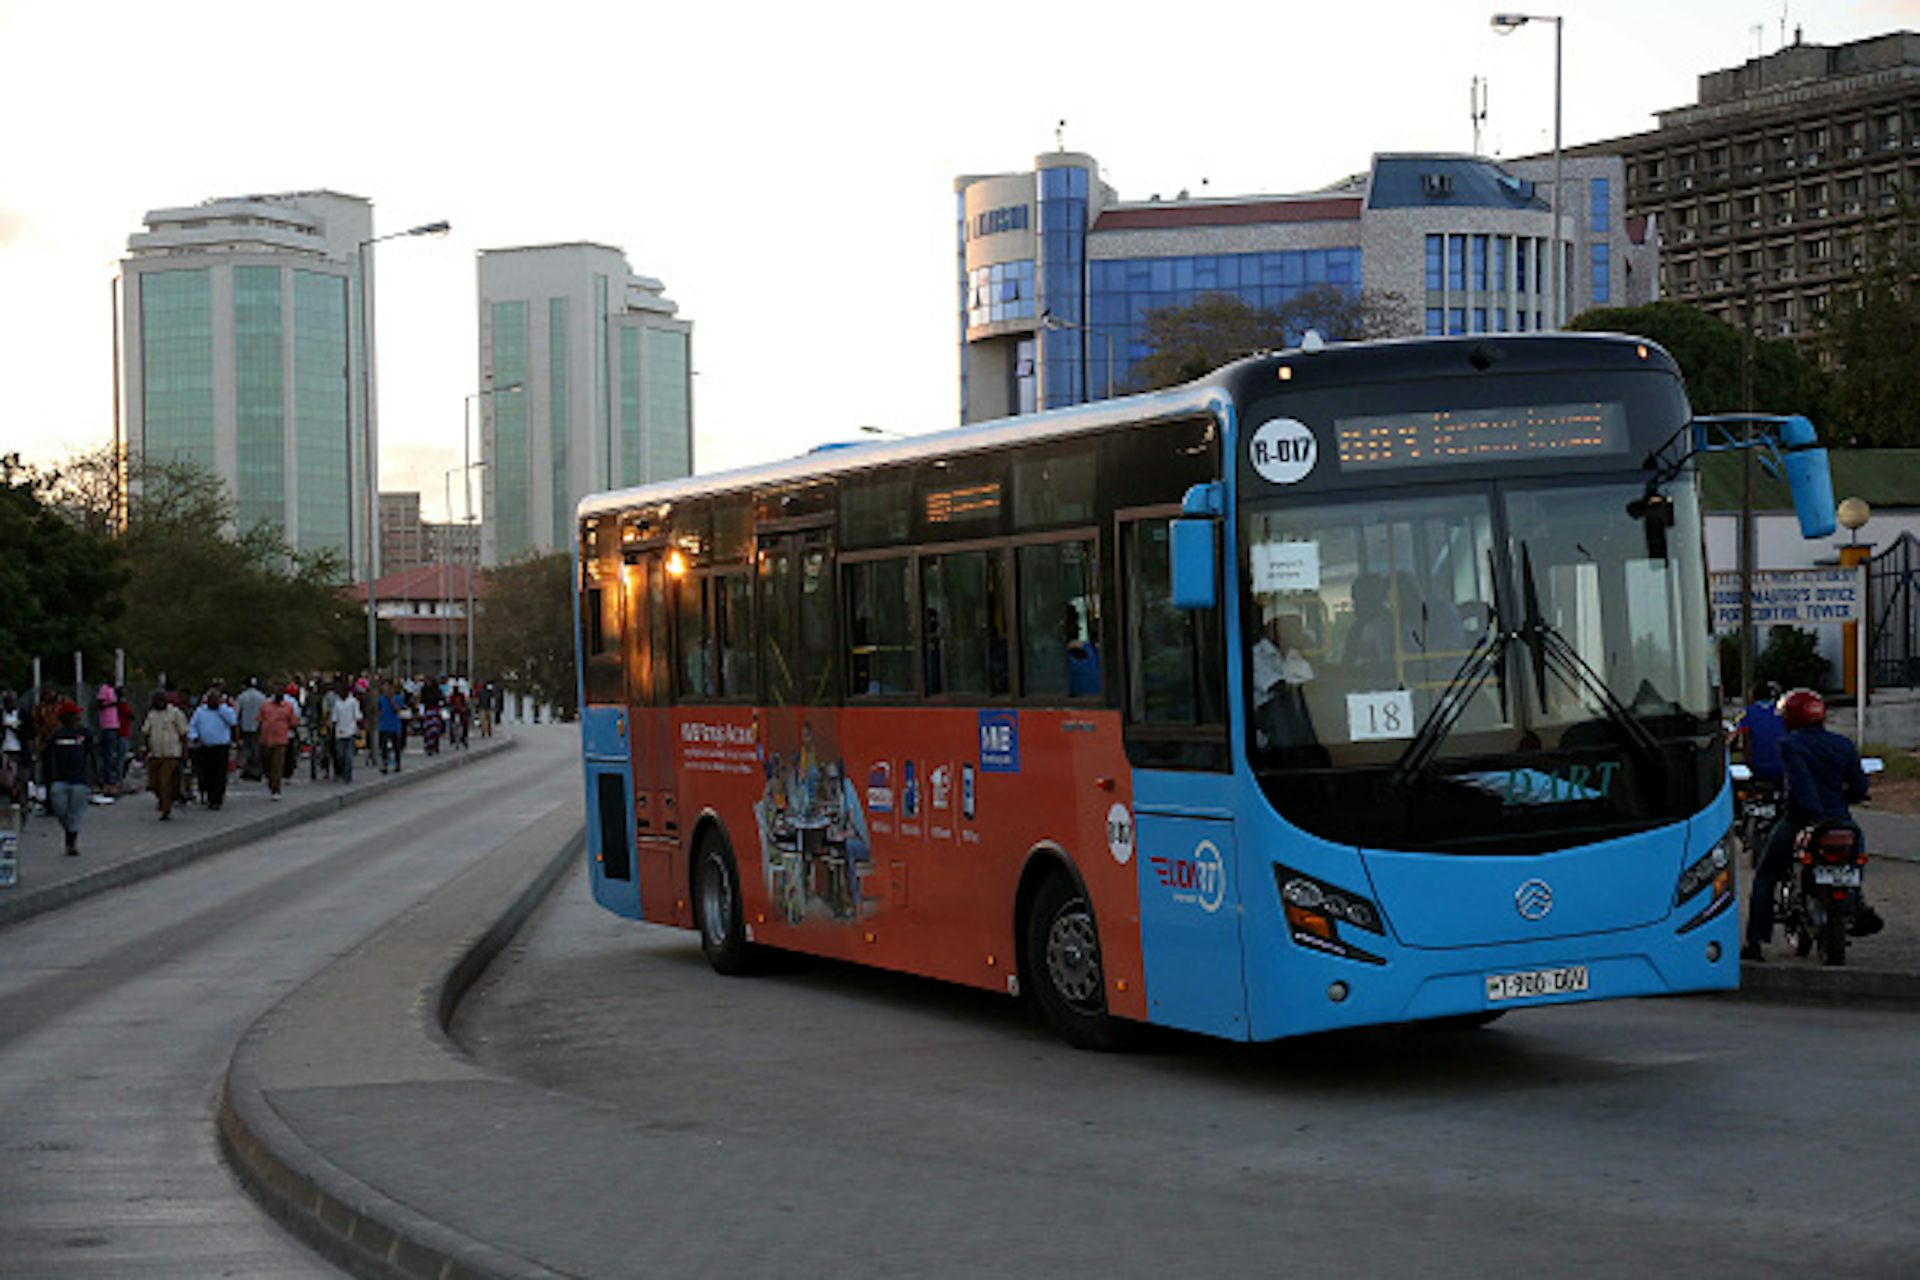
656,817
605,718
1176,739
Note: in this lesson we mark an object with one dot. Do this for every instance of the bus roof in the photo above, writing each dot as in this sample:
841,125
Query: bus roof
1387,360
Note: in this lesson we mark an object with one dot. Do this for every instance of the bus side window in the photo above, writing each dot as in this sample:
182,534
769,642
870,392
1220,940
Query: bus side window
879,627
964,628
600,617
696,642
1059,620
730,597
818,659
1176,667
776,625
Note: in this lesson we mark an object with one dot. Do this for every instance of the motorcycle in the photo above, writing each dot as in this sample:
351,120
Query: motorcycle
1819,900
1756,807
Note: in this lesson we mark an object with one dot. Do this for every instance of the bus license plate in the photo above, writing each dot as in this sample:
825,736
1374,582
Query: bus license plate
1536,982
1848,877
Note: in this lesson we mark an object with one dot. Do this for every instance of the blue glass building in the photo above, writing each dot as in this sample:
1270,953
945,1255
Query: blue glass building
1057,274
241,340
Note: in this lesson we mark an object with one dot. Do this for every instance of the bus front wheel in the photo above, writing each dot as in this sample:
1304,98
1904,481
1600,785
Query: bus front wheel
716,897
1064,972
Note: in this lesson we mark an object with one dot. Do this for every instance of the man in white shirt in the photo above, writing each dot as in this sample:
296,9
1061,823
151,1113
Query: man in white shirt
346,728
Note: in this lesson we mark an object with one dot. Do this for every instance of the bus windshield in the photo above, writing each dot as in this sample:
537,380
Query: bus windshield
1476,666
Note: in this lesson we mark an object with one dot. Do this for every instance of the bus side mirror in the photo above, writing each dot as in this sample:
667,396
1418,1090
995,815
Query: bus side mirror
1195,575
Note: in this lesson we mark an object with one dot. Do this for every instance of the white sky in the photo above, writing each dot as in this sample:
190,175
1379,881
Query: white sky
787,170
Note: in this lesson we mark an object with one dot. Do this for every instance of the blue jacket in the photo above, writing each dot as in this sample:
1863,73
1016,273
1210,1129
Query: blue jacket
1823,775
1764,734
390,721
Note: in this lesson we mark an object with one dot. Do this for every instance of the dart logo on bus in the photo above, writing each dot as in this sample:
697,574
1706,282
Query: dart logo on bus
1200,880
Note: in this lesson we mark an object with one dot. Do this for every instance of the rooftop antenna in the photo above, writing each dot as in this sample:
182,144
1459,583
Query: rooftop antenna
1060,135
1477,108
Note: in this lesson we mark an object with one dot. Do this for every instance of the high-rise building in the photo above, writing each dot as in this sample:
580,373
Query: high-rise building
240,352
1056,274
591,376
1770,187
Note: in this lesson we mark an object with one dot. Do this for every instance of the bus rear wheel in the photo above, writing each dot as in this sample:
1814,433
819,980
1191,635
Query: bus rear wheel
1064,971
716,900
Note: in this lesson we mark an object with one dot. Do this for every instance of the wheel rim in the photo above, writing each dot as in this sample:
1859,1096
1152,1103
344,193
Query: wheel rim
1073,957
716,900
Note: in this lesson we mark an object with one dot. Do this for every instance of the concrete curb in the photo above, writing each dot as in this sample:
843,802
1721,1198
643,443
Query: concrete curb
1839,987
39,901
352,1224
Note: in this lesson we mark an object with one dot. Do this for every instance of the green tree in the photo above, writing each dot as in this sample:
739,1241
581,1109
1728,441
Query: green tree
1718,359
206,602
61,583
1191,341
525,638
1871,335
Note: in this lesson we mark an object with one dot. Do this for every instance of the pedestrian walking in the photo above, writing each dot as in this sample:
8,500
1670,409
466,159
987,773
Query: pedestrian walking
248,708
46,720
392,726
319,729
460,708
165,733
16,757
106,701
278,720
212,728
431,724
67,789
346,720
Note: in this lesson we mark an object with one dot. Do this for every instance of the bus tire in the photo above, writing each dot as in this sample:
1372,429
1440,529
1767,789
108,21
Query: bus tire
1065,974
717,910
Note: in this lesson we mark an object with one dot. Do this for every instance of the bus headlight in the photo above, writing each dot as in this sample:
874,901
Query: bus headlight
1717,865
1714,871
1314,909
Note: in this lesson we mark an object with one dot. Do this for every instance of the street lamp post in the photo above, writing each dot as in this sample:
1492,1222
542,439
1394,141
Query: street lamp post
1506,24
372,495
467,464
1052,322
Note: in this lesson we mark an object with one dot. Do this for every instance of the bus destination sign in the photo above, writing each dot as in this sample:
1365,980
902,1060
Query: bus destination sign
1450,436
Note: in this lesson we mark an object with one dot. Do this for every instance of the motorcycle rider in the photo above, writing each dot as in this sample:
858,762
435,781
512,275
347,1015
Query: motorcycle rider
1761,731
1823,776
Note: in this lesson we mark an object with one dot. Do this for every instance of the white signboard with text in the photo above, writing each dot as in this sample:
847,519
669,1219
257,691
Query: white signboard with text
1789,598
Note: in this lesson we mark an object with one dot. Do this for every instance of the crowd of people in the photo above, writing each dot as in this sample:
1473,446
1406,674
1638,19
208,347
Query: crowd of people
59,758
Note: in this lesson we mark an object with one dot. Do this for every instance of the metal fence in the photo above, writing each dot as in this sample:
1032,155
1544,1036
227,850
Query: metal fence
1893,650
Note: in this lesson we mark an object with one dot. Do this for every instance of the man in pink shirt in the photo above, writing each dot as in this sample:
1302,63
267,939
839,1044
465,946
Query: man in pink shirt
108,703
278,719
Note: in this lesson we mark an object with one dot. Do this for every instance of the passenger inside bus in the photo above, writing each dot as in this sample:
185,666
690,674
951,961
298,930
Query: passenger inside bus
1280,676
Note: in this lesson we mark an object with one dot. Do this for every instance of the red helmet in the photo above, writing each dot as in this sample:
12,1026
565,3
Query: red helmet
1802,707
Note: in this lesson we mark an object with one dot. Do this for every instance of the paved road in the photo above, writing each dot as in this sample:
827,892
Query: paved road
824,1119
118,1016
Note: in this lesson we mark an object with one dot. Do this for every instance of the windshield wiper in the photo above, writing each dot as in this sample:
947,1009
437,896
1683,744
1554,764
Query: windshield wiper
1488,655
1553,651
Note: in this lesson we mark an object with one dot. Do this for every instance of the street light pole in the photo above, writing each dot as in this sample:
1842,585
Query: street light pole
1050,321
471,545
1506,24
371,497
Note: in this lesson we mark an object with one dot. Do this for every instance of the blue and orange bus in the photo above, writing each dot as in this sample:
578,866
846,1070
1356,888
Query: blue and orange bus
1352,685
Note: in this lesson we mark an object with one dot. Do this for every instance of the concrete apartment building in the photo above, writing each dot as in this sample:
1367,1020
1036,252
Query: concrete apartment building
1770,188
602,364
408,540
1056,273
240,351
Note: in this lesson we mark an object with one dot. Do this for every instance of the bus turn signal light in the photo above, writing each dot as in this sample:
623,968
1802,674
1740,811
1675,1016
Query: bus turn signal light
1315,910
